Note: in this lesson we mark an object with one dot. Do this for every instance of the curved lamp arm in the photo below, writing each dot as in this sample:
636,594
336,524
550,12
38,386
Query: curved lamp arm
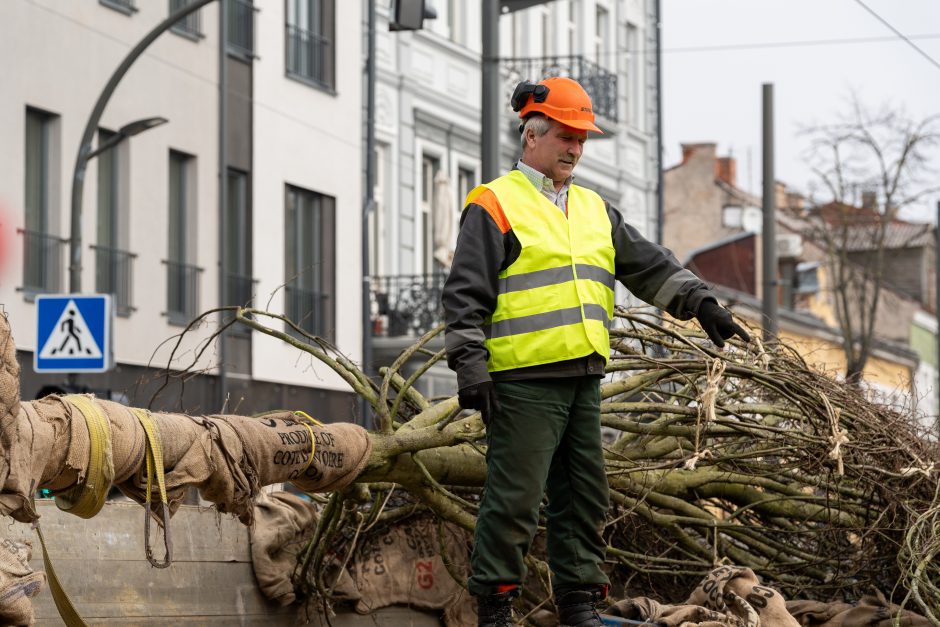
84,147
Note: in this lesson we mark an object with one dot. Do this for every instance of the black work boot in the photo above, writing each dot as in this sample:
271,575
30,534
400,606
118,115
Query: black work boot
495,610
576,608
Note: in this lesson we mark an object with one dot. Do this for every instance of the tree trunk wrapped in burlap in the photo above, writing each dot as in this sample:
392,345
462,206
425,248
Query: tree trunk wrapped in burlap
47,444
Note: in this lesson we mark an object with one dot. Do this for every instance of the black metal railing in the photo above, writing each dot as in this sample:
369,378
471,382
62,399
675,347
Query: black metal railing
407,305
192,23
182,291
308,56
42,261
241,27
307,309
114,274
599,83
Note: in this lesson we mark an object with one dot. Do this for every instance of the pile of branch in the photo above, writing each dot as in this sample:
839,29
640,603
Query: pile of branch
745,456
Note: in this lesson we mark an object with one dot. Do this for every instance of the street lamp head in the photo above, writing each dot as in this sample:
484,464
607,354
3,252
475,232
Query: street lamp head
139,126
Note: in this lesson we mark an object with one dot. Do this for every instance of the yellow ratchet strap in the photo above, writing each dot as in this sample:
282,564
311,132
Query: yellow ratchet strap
155,473
63,603
86,499
313,443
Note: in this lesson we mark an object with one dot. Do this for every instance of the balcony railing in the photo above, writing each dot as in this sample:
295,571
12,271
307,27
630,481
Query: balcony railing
599,83
114,274
407,305
241,27
308,56
189,25
307,310
182,291
42,261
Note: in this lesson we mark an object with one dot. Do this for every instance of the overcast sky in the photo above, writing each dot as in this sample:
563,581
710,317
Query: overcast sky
715,95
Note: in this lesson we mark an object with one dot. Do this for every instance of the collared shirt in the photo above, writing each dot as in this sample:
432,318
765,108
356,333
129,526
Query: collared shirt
547,186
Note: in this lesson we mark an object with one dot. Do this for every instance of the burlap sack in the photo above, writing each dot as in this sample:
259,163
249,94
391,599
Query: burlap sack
403,565
18,583
282,524
872,609
16,438
729,595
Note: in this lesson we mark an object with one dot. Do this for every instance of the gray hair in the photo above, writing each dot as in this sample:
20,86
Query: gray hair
539,125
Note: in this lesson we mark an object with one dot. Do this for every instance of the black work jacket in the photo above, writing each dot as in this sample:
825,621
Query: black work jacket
648,270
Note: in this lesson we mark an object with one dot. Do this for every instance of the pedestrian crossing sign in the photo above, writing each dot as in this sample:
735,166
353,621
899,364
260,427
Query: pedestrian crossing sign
73,333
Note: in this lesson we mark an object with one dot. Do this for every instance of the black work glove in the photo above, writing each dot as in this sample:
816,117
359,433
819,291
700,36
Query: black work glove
717,323
481,396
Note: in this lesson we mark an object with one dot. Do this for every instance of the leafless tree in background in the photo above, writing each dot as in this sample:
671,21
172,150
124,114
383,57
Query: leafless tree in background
871,165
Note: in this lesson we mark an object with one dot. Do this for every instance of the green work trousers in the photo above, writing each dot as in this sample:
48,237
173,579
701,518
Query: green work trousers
546,438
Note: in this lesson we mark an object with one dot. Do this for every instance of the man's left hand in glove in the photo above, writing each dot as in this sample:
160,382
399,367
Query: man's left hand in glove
718,324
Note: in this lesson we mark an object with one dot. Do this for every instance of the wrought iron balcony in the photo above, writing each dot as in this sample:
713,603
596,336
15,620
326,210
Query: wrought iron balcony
600,84
407,305
182,291
42,261
114,274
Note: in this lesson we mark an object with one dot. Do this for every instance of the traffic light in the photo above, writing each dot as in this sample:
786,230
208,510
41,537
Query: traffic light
410,14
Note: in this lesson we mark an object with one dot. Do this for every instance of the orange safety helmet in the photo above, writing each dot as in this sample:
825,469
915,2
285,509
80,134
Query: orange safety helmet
560,98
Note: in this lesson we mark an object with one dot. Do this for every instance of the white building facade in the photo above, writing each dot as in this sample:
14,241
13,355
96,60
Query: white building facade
159,232
428,123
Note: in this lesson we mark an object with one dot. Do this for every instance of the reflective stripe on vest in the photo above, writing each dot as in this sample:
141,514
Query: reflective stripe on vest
555,301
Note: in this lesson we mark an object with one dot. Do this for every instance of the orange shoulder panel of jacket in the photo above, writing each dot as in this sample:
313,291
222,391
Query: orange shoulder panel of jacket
485,197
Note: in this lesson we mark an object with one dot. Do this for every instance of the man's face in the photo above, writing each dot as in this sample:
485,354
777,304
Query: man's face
555,153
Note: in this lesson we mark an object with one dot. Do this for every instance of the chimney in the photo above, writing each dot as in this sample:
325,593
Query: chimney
870,200
726,169
689,149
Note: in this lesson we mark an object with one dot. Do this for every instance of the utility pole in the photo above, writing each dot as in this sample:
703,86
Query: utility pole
769,230
490,90
936,308
367,209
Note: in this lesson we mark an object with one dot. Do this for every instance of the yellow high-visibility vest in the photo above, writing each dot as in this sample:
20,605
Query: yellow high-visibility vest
555,301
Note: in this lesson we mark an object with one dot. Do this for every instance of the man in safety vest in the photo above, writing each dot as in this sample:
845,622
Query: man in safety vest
528,303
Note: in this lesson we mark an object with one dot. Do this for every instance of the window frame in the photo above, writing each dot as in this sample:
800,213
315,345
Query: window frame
183,27
326,33
322,284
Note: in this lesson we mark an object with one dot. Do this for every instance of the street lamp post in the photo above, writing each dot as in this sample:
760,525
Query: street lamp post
85,151
85,155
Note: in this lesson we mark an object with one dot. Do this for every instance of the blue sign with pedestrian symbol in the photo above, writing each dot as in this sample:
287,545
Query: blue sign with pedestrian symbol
73,333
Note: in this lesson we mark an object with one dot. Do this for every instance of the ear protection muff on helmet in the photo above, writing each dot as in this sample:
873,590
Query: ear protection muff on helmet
520,95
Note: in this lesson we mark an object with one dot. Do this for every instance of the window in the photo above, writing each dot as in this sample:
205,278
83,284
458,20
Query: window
572,27
42,251
189,26
635,90
457,21
548,32
601,24
429,168
466,178
379,245
113,266
310,41
182,277
238,223
124,6
310,261
240,28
